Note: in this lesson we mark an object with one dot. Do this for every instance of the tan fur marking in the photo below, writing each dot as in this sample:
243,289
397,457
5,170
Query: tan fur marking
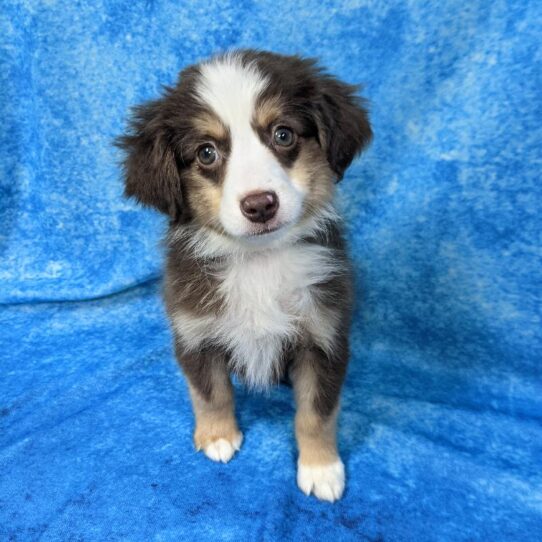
205,198
267,111
316,439
211,126
316,436
312,174
215,418
212,196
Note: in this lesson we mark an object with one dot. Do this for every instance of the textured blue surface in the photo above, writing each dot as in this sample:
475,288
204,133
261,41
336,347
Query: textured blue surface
441,427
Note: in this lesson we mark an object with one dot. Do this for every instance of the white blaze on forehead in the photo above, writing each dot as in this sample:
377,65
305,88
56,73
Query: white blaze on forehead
231,89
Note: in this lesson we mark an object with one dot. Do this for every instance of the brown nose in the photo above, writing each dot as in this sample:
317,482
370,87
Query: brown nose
260,206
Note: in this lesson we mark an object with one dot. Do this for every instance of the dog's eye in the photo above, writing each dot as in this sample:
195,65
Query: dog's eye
283,136
207,155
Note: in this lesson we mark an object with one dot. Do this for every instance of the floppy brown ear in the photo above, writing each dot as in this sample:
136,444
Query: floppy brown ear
343,123
151,174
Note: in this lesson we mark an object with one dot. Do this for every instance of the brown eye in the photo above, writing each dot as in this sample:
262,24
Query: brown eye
283,136
207,155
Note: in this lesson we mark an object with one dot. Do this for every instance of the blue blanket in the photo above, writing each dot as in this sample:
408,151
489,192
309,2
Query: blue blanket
441,425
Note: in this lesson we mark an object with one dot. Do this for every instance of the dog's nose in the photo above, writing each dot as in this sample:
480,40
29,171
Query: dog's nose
260,206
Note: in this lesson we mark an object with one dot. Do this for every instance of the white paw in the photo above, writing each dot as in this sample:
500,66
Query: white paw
222,449
326,482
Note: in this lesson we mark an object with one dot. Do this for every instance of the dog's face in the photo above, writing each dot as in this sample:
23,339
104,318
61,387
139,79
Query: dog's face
247,145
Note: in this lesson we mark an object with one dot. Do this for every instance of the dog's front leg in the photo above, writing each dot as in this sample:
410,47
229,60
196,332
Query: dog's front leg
216,431
317,382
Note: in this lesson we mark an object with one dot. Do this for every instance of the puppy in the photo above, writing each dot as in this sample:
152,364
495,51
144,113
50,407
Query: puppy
242,155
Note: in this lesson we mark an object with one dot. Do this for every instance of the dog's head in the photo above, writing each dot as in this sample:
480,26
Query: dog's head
248,144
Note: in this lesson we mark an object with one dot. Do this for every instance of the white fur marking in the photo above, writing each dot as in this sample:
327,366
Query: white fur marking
222,450
269,299
193,329
326,482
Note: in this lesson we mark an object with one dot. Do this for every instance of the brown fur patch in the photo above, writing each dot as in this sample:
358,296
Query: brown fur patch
191,285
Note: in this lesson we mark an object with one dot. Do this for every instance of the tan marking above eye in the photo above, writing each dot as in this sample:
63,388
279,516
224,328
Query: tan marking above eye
210,126
267,111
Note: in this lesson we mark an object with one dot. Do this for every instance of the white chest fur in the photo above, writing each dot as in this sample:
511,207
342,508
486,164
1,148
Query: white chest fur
269,298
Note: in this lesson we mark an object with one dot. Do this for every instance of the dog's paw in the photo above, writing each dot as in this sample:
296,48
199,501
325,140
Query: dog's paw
222,449
326,482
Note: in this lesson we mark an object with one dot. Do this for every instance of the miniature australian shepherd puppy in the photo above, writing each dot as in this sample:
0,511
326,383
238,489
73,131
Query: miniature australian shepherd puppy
243,155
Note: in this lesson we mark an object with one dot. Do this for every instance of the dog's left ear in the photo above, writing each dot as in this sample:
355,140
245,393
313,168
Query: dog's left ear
342,121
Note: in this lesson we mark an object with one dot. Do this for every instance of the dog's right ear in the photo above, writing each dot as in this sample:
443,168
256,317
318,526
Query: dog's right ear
151,173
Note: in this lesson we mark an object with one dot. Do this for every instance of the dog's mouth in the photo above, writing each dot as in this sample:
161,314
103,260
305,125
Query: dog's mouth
265,231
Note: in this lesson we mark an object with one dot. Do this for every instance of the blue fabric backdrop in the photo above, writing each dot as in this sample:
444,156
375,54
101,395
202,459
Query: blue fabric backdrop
441,425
